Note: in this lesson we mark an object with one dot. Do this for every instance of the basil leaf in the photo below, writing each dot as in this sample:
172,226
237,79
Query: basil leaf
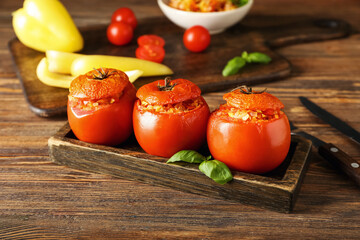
245,55
216,170
240,3
233,66
189,156
256,57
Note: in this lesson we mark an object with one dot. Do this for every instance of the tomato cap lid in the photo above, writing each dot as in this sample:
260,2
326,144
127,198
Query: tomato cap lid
182,90
253,101
98,84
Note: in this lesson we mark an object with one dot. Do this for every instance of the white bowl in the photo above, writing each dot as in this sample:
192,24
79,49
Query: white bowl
215,22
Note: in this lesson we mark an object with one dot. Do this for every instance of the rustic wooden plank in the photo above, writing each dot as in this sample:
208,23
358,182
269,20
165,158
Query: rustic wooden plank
8,231
81,205
206,73
276,190
201,68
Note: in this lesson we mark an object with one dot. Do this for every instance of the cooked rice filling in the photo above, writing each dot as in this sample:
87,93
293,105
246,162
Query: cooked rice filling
247,115
86,104
181,107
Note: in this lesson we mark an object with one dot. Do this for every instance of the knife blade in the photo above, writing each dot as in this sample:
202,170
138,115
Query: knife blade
338,158
331,119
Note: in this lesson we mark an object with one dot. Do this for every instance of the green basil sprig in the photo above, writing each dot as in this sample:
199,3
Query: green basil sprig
240,3
189,156
256,57
214,169
235,64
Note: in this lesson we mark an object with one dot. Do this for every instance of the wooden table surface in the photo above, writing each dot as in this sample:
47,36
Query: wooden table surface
39,199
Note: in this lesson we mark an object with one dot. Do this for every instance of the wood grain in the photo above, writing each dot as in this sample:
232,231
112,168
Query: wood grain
204,69
81,205
276,190
27,232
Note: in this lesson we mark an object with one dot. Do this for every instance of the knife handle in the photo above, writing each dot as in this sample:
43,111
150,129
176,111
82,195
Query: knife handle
341,160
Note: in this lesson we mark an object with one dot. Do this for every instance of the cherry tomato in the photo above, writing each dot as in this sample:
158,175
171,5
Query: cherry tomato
119,33
151,53
151,40
196,38
100,110
169,120
125,15
246,139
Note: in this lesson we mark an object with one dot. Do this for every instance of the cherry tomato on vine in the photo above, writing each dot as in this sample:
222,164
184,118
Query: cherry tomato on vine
249,133
100,105
119,33
151,39
125,15
196,38
169,117
151,53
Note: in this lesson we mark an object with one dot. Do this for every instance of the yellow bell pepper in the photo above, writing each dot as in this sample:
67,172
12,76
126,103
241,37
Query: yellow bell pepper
50,78
46,25
83,64
77,64
63,80
60,62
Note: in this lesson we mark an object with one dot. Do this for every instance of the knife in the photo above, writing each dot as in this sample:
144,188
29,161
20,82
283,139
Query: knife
334,155
331,119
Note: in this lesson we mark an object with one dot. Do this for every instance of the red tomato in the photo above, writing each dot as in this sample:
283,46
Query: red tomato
255,145
100,111
196,38
125,15
119,33
151,40
151,53
168,121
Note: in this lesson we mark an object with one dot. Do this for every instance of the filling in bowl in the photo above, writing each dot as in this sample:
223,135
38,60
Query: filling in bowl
206,5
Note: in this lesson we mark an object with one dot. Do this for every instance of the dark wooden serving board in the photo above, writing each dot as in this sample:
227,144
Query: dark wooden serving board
276,190
204,68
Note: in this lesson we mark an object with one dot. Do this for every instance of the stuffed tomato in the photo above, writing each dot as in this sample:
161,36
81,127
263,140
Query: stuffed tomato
100,105
249,133
170,116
